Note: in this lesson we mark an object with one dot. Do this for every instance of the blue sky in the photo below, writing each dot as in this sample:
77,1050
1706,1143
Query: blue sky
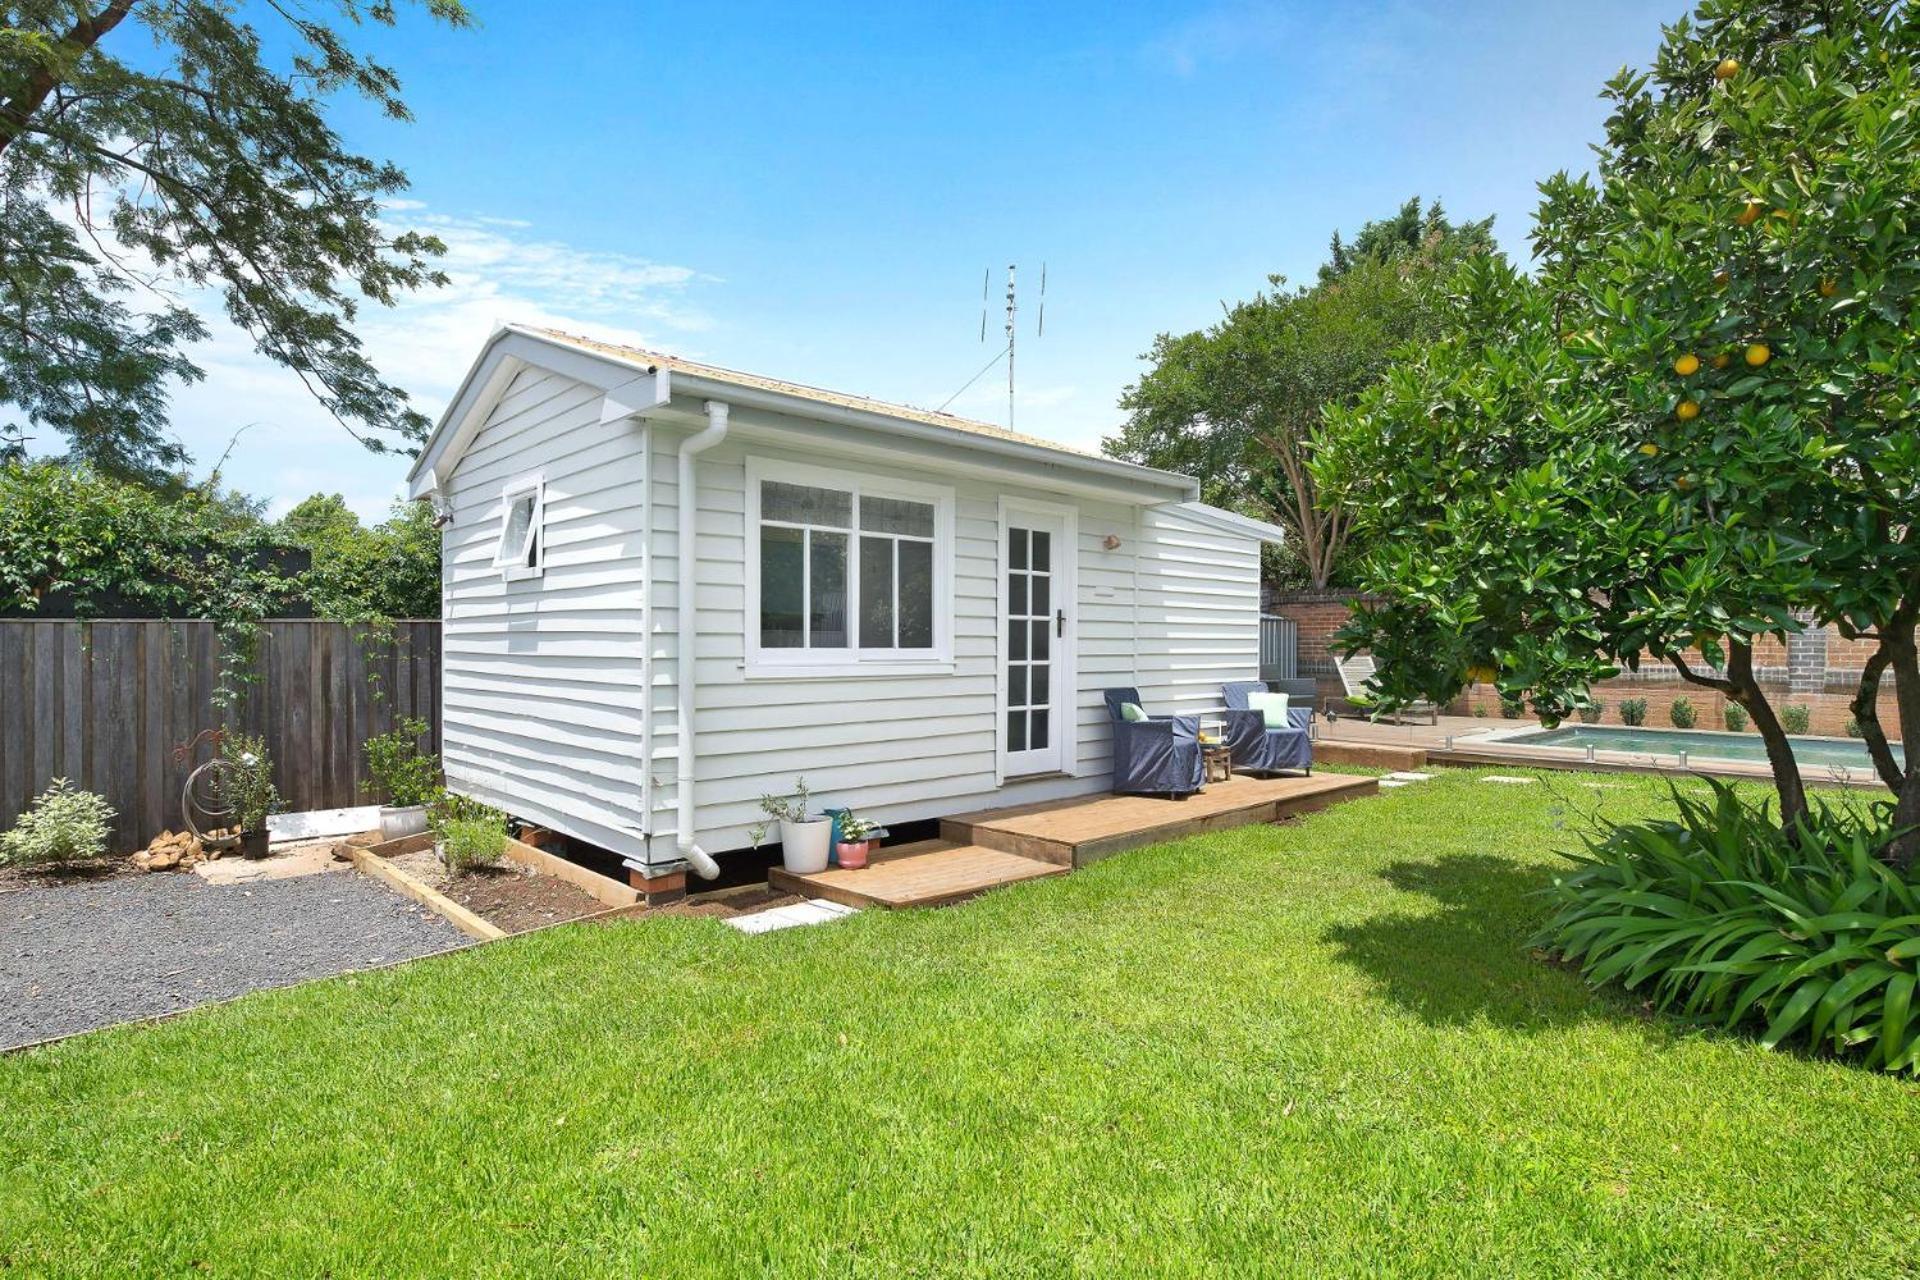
814,192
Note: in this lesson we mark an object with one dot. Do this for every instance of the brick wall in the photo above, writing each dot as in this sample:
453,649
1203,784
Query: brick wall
1818,670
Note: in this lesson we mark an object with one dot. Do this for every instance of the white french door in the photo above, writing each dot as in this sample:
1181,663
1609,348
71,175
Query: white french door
1036,592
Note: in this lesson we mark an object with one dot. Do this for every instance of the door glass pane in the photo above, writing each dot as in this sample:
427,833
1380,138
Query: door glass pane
1042,603
895,515
1039,684
1016,731
1016,640
804,504
828,607
1017,548
1042,549
1042,639
782,588
1017,594
876,593
916,595
1016,686
1038,737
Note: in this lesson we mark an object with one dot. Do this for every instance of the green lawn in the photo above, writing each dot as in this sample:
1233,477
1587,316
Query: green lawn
1319,1048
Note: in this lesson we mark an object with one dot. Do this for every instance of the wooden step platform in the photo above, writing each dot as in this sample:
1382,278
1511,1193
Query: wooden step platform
1072,833
932,874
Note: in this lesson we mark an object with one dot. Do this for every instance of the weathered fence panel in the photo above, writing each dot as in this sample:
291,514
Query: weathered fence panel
106,703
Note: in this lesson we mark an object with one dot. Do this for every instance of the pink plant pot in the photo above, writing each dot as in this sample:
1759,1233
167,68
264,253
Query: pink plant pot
853,855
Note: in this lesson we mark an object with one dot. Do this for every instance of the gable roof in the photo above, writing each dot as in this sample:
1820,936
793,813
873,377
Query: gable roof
801,391
637,383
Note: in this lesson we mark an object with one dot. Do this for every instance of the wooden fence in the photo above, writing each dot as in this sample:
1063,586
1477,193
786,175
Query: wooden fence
105,704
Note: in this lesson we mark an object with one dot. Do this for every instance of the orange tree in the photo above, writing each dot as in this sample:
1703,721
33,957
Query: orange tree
1695,425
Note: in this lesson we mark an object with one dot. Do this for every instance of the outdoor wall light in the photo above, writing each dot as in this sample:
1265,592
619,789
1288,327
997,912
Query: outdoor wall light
1111,542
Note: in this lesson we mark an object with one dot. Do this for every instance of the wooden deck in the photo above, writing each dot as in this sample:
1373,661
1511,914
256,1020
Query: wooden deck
985,850
1072,833
935,874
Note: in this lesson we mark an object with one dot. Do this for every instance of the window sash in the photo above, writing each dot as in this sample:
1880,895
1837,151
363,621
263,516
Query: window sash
526,555
907,575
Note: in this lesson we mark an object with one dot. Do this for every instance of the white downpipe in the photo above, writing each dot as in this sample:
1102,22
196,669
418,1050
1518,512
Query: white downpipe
690,448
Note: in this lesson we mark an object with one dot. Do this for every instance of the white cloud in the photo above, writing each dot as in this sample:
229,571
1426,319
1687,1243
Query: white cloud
499,272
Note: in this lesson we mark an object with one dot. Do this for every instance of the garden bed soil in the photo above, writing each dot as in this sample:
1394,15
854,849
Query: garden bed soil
507,896
87,871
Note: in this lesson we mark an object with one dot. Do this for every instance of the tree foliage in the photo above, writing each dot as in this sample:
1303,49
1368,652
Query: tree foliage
77,543
1410,234
389,571
1695,428
1236,404
191,160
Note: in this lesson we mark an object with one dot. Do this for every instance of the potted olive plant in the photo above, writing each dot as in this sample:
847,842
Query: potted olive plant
806,837
407,776
247,790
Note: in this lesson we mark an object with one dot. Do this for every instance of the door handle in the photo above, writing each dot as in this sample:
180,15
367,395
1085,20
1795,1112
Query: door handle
1060,622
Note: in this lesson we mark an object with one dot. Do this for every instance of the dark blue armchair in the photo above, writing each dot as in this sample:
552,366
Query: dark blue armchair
1154,756
1255,747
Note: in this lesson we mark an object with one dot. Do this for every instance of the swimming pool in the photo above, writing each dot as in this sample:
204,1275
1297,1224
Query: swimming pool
1697,743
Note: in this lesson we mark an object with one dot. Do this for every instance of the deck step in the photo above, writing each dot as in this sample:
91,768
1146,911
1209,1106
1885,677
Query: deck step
932,878
1072,833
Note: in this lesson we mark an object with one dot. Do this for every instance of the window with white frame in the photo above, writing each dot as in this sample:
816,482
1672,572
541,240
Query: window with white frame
847,569
521,548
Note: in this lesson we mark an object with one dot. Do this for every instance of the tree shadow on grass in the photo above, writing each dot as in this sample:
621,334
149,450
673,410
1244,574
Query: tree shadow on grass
1468,959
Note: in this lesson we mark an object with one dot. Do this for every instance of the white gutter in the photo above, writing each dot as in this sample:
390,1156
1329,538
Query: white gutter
690,448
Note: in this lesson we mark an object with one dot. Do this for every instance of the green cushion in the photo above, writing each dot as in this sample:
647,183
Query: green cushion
1271,706
1132,711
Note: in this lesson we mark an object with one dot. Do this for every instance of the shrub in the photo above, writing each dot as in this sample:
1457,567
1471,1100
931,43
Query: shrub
1511,706
1592,711
1735,716
1721,915
472,842
1681,712
62,824
400,770
445,807
1795,718
246,787
1853,727
1633,711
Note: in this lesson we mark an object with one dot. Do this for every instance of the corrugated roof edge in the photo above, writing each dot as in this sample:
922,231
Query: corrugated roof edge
470,396
803,391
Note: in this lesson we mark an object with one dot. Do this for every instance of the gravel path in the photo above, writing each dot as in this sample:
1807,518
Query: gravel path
75,957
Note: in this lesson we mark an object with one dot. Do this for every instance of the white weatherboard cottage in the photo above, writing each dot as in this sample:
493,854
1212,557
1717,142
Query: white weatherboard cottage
914,611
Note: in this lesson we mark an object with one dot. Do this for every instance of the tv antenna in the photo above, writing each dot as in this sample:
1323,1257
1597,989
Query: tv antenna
1011,329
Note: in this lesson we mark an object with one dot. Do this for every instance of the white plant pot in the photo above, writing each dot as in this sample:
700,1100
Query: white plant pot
408,821
804,845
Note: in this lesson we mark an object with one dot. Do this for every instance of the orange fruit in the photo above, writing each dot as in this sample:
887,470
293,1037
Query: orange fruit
1683,482
1720,278
1828,288
1750,213
1482,674
1727,70
1722,360
1651,449
1687,410
1758,354
1687,365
